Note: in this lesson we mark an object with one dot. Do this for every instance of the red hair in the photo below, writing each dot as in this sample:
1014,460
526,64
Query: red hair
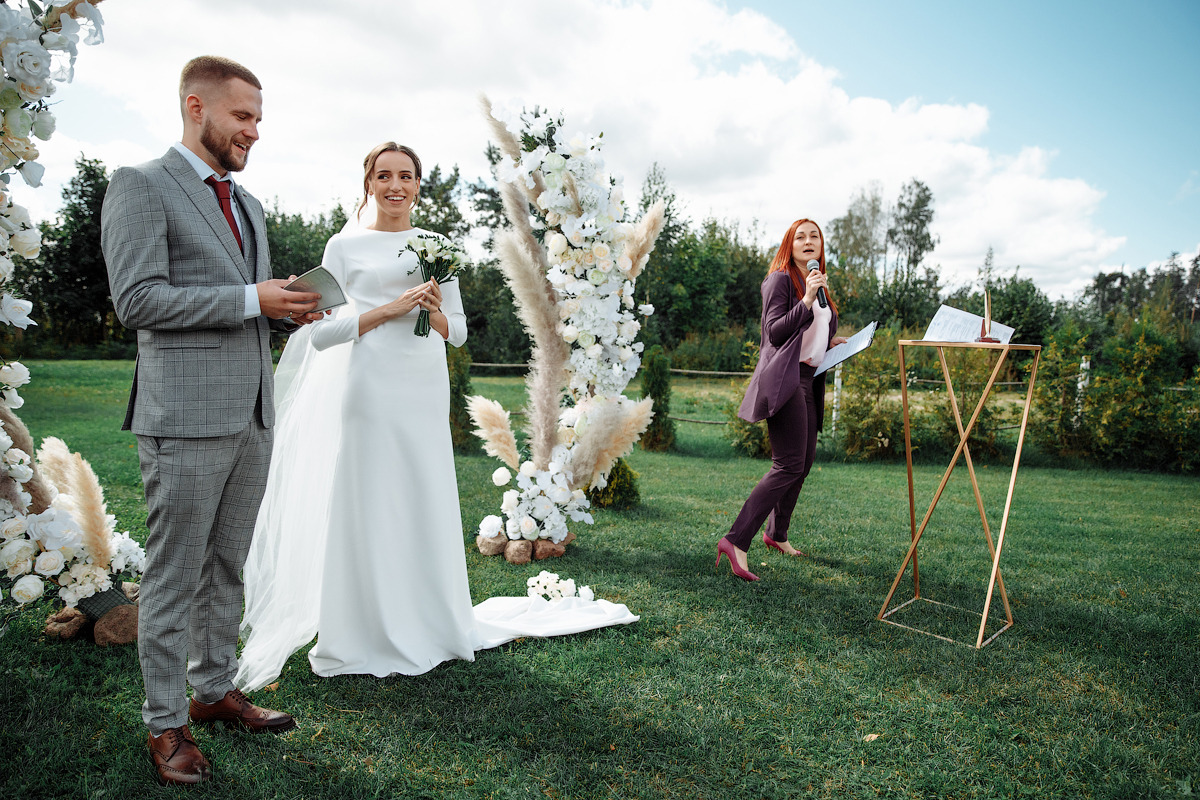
784,260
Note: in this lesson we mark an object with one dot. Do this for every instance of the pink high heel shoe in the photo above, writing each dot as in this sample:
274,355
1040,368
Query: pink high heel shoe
769,542
726,548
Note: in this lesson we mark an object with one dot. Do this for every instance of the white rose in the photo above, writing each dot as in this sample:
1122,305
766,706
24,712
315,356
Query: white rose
12,528
629,328
557,245
625,353
529,528
570,333
586,593
554,162
16,551
510,501
15,455
14,374
27,241
26,61
624,264
512,529
50,562
44,125
572,305
601,250
597,277
490,526
595,351
501,476
576,237
32,172
605,265
27,589
586,339
18,121
10,398
528,469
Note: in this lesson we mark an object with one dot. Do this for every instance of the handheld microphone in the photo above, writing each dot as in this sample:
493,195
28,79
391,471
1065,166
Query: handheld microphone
821,298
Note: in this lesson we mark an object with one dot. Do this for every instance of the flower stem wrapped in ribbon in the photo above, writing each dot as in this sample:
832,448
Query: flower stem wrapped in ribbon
439,260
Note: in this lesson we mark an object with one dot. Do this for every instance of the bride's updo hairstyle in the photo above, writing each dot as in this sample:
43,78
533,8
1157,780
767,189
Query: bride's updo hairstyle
369,167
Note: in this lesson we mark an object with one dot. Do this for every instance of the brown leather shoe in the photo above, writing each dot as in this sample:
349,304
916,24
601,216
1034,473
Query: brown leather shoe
236,707
177,758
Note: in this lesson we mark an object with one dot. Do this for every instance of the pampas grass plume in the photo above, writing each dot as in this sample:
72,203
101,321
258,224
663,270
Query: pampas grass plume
644,236
91,511
611,433
493,426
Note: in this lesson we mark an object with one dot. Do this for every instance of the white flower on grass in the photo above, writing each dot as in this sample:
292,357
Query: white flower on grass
501,477
586,593
48,563
491,526
27,589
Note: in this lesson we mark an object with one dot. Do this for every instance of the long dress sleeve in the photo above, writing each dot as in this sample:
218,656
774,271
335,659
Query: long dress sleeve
343,327
456,318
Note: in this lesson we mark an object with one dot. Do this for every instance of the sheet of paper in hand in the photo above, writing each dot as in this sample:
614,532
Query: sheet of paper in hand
321,281
952,325
852,347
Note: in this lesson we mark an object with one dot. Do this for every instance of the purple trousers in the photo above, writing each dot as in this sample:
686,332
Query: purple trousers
793,434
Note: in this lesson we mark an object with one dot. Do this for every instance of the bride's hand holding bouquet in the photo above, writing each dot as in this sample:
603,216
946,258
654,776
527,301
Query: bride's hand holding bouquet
439,259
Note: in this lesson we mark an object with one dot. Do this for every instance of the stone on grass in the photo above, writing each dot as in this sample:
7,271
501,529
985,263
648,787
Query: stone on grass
518,551
491,545
544,548
66,624
118,626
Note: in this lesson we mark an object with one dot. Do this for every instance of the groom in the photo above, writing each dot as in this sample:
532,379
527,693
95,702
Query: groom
188,267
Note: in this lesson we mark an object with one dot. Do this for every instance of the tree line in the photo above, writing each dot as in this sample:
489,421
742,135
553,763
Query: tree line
703,280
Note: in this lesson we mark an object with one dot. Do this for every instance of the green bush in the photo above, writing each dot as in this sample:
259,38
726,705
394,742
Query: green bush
870,417
747,438
719,351
621,492
656,384
1130,409
1056,421
458,361
969,373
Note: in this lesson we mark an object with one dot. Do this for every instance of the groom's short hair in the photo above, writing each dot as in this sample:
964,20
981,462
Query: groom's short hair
211,70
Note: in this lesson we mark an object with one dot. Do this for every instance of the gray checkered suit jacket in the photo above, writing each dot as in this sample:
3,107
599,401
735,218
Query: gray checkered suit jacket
178,278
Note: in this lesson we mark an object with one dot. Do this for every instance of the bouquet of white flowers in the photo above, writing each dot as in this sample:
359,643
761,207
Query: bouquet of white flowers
439,260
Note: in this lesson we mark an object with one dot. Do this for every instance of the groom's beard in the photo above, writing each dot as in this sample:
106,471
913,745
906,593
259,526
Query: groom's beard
229,157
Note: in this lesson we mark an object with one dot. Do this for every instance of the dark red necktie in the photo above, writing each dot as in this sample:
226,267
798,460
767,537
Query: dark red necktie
222,190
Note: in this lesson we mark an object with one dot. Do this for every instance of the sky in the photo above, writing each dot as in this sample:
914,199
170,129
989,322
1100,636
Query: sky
1061,134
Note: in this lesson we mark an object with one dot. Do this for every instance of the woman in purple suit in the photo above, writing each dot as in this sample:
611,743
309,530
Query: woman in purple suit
799,321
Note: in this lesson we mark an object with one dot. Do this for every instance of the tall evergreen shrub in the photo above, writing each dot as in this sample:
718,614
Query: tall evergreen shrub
656,384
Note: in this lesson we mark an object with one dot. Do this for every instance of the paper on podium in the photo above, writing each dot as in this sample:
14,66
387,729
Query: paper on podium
321,281
952,325
855,345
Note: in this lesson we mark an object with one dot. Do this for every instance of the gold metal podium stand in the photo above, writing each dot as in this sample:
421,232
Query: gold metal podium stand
962,449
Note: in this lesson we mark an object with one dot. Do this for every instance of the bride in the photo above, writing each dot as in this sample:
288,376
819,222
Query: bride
359,539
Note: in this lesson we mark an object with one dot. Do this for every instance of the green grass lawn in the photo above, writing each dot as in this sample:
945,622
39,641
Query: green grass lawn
723,689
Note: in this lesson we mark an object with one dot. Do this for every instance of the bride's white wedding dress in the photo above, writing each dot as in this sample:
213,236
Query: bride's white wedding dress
359,540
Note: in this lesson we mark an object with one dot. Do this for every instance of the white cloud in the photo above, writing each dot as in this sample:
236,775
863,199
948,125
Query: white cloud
745,125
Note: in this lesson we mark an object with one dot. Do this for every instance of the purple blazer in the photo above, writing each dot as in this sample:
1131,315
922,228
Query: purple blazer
777,375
